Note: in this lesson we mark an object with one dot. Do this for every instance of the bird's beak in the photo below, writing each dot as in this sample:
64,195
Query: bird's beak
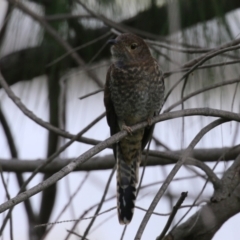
112,41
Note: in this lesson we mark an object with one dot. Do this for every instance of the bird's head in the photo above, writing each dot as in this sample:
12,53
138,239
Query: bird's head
127,48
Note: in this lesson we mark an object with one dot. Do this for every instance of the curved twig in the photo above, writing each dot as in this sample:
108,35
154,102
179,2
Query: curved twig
173,213
171,175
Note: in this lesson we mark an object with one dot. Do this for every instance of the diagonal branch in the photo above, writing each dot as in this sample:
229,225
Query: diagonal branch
205,223
195,63
174,171
173,213
189,112
53,33
13,150
36,119
221,84
156,158
81,159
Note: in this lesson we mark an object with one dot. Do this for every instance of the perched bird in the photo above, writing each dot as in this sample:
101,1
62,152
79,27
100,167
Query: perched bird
133,93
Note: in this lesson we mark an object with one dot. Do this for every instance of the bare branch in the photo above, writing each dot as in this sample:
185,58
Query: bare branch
13,150
205,223
221,84
52,32
36,119
195,63
74,220
219,64
67,204
218,50
100,204
45,163
171,175
66,16
211,175
99,147
78,48
8,197
190,112
228,184
173,213
90,94
155,158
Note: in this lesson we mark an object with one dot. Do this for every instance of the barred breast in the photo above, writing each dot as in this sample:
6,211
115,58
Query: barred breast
137,91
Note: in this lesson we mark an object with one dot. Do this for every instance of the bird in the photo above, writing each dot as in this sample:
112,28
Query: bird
133,93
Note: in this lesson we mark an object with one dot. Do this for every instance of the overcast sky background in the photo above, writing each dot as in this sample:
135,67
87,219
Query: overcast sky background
31,144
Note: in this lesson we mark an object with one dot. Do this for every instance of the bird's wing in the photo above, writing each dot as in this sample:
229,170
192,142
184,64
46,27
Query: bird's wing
110,111
148,131
112,119
147,135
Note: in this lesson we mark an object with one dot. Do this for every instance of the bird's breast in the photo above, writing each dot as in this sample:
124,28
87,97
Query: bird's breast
135,94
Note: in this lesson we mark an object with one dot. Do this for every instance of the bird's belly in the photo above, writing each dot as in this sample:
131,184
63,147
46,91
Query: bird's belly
134,105
137,104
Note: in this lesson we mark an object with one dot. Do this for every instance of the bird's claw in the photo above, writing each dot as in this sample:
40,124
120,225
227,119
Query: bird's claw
149,120
127,128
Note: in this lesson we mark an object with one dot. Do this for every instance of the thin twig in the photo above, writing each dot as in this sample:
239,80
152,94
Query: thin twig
162,117
174,179
192,205
166,56
89,209
36,119
211,175
234,96
173,173
8,197
90,94
182,107
216,85
99,147
5,22
177,49
101,203
195,64
20,179
74,233
49,160
123,232
53,33
78,48
144,165
181,70
65,16
74,220
203,188
103,222
218,50
219,64
67,204
98,52
173,213
65,146
160,144
154,213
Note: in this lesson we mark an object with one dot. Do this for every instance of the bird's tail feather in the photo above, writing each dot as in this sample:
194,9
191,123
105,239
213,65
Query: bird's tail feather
127,178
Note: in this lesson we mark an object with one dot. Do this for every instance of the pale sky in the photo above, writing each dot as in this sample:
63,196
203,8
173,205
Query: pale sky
31,144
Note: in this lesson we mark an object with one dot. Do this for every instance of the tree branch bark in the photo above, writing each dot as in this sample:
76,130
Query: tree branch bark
205,223
106,162
26,66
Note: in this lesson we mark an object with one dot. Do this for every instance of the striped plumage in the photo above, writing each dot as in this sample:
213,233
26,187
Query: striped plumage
133,93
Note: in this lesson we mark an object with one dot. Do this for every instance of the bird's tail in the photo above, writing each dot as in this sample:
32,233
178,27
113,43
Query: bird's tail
127,177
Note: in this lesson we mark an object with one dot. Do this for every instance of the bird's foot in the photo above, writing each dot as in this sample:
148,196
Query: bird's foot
149,120
127,128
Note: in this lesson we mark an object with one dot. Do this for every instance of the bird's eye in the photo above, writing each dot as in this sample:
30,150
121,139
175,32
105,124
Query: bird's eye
133,46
